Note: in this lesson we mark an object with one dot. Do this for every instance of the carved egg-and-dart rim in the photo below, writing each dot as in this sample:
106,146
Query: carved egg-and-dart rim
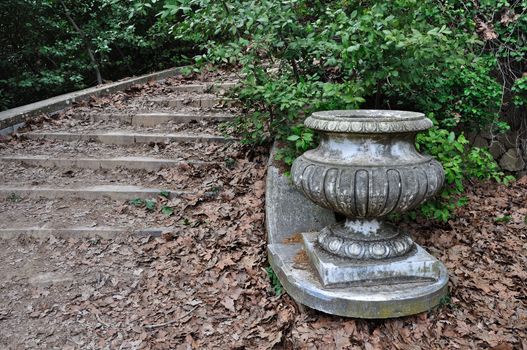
368,121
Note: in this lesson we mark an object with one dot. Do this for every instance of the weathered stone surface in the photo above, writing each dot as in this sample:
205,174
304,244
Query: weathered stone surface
365,190
145,163
512,160
496,149
78,231
368,121
209,87
125,137
190,102
487,134
471,136
509,139
480,142
364,240
287,211
117,192
365,167
333,270
153,119
375,301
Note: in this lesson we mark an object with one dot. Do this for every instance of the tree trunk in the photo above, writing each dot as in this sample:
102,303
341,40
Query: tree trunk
86,42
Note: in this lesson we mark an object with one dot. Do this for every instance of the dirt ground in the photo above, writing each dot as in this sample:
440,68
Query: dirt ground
204,285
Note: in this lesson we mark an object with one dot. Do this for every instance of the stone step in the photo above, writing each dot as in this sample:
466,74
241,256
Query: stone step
114,192
207,87
124,137
79,231
190,152
158,118
204,102
143,163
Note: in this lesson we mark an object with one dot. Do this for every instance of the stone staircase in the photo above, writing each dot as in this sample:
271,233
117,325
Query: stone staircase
67,176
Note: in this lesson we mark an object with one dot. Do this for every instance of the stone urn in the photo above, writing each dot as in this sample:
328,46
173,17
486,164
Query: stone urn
365,168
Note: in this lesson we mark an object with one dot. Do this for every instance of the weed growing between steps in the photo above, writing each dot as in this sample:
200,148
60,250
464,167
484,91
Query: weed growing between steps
162,204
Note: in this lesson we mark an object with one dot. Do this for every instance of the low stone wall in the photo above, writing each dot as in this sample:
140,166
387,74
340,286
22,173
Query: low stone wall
13,118
509,150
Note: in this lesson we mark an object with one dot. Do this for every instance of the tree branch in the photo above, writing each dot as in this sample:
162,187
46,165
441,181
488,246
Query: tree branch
86,43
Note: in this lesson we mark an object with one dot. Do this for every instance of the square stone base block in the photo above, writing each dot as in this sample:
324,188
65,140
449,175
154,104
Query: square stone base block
335,271
300,279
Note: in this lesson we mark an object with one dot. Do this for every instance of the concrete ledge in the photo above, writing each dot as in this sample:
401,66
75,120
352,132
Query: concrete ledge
20,114
287,211
206,87
377,301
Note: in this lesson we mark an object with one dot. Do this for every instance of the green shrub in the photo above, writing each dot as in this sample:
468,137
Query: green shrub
299,56
43,54
460,163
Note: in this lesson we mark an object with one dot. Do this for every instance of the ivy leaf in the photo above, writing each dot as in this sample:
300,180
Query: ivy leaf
168,211
293,137
150,204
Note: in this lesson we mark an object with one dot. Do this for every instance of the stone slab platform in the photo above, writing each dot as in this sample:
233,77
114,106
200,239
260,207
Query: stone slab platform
300,280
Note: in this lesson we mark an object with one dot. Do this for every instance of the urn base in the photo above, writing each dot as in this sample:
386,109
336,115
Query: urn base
361,239
377,300
334,271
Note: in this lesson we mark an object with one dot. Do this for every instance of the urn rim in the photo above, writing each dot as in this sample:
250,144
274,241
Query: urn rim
369,121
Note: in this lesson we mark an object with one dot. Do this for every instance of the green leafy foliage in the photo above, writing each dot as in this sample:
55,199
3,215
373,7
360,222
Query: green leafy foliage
43,54
161,205
165,194
137,202
275,282
150,204
503,219
301,56
302,138
168,211
520,91
460,163
14,198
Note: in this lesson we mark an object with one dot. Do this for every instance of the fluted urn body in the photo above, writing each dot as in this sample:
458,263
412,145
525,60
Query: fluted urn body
365,168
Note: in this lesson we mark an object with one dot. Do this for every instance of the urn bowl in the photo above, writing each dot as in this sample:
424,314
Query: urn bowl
366,165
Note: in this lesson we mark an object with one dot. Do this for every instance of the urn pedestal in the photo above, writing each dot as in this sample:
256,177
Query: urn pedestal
365,168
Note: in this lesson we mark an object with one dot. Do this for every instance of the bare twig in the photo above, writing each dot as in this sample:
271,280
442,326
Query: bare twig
101,321
86,42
